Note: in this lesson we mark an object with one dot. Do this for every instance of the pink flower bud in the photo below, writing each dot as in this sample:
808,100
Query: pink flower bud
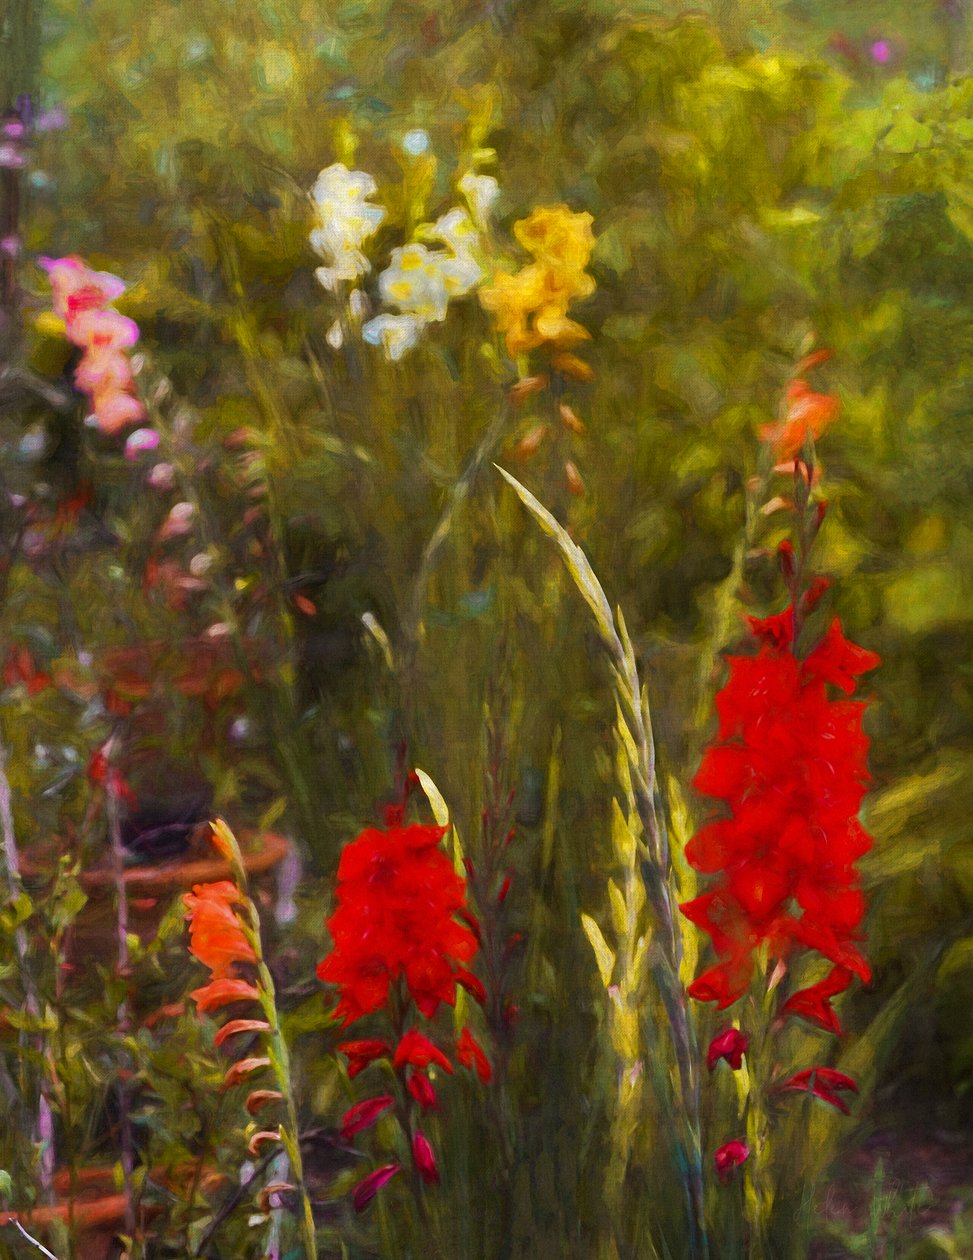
363,1115
162,477
425,1159
730,1045
369,1186
420,1087
729,1157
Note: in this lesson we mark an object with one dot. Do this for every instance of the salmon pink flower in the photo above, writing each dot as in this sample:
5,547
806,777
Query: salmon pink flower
81,298
731,1046
729,1157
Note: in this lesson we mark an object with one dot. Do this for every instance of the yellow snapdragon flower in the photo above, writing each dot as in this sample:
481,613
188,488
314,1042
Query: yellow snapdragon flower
530,307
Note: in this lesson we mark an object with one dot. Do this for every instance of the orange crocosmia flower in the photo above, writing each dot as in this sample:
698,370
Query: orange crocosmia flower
216,935
808,415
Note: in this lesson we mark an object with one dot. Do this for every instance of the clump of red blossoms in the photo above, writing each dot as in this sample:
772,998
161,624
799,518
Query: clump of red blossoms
403,935
398,896
789,763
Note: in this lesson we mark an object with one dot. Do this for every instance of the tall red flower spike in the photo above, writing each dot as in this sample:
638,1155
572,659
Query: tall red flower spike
789,766
403,934
397,898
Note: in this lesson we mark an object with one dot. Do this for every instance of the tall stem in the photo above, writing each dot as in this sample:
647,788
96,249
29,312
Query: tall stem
11,856
123,1024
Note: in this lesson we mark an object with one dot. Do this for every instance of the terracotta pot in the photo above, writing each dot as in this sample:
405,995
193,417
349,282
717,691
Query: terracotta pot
151,887
95,1212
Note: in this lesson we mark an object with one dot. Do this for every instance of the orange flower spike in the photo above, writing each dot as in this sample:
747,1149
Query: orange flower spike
216,935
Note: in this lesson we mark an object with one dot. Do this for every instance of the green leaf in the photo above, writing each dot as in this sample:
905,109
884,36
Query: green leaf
577,562
437,802
604,956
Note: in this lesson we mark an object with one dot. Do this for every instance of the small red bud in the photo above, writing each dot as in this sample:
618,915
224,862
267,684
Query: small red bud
504,889
785,556
470,868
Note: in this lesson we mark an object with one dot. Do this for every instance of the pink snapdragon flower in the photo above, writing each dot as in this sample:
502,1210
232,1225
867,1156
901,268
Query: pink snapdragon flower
81,298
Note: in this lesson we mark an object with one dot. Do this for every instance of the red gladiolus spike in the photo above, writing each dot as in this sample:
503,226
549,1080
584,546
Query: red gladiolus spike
369,1186
471,1055
223,992
363,1115
730,1045
472,984
416,1049
399,906
424,1158
420,1087
363,1052
729,1157
836,660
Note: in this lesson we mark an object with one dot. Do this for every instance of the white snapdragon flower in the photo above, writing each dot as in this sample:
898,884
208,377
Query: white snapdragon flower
420,282
481,192
394,333
456,230
345,220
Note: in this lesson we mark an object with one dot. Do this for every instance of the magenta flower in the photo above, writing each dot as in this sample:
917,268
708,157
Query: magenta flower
369,1186
424,1158
730,1045
729,1157
364,1114
420,1087
824,1083
139,441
